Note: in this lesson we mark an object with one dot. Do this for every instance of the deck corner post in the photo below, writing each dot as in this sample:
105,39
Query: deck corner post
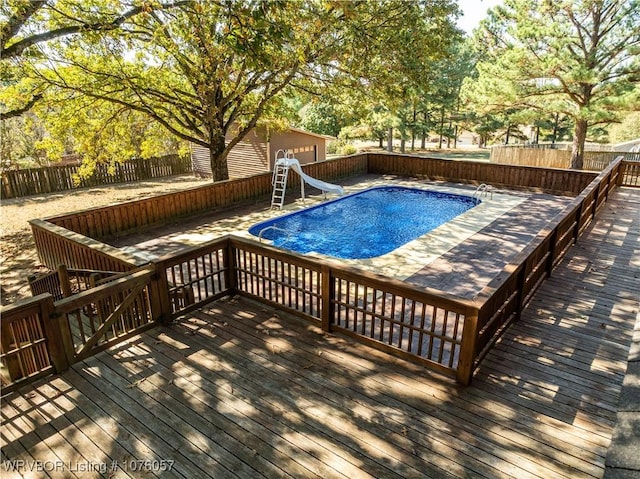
160,301
464,371
327,292
621,168
54,330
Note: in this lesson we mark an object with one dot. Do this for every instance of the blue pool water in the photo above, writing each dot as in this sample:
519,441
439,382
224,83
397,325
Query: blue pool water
366,224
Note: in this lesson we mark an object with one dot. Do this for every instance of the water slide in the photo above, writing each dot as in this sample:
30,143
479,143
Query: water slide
294,164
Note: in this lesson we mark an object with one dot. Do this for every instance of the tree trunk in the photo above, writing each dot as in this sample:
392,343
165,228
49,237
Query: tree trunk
413,128
424,131
380,140
506,140
555,128
441,127
390,140
219,167
577,150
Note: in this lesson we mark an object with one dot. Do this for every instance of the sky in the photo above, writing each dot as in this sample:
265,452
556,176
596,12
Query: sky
474,11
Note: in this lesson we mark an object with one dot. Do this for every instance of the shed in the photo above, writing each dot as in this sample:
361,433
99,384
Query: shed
257,151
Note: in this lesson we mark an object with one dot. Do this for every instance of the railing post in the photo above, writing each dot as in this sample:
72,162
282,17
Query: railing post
65,284
464,371
609,186
53,329
155,296
621,167
328,295
576,229
596,196
160,300
552,251
230,265
521,280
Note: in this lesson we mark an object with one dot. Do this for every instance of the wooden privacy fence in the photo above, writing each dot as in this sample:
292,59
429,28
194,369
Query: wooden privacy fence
50,179
563,182
123,218
446,333
546,157
57,245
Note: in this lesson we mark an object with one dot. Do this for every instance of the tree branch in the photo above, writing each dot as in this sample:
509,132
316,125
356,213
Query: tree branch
13,113
17,48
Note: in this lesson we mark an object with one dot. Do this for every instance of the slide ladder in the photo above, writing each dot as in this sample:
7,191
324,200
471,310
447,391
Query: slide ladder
279,182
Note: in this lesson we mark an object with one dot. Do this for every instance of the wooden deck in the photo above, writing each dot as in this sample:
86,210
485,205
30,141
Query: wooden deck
240,390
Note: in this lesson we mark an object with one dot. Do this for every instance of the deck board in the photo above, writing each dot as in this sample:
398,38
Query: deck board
239,390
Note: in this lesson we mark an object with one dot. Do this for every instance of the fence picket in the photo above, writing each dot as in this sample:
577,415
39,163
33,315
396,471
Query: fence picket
35,181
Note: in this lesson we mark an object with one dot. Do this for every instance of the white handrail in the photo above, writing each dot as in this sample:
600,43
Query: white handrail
483,188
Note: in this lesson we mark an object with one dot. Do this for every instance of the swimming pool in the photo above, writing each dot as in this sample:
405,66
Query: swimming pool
365,224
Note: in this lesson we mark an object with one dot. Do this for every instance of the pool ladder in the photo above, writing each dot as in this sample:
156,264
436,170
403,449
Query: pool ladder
483,189
279,180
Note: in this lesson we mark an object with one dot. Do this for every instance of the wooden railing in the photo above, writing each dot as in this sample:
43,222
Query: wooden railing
107,314
630,175
412,322
504,298
40,336
193,277
65,282
390,315
50,179
446,333
57,245
27,344
279,278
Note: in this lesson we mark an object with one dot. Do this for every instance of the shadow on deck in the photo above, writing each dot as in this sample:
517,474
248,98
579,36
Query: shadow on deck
237,389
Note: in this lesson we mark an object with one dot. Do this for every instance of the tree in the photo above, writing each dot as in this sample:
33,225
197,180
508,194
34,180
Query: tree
574,58
443,97
26,24
399,80
205,69
321,117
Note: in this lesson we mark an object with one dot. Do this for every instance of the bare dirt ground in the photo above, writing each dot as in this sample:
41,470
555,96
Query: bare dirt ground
17,250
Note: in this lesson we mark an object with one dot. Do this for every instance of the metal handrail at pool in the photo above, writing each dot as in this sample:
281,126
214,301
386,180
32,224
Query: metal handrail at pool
274,228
